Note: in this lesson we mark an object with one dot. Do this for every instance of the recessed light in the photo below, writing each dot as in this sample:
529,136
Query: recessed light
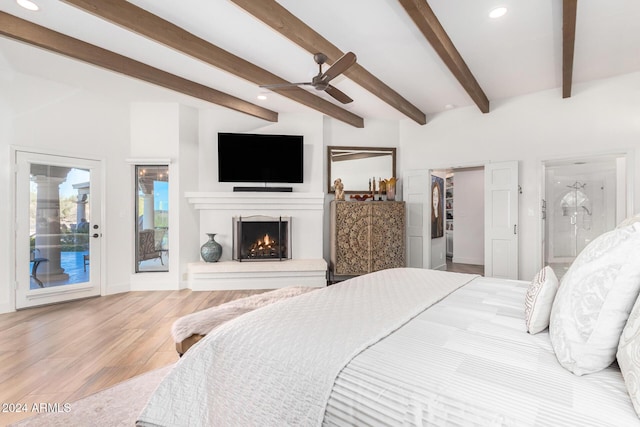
28,4
262,97
449,107
498,12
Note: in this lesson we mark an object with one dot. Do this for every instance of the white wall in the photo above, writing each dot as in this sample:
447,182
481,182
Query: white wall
168,131
183,212
39,114
307,125
212,122
49,116
376,133
468,217
600,117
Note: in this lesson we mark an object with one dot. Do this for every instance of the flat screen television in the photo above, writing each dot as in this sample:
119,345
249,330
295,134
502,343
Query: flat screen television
245,157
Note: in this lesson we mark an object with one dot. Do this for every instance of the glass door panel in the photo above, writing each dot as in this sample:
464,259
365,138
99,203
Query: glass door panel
57,235
152,218
580,204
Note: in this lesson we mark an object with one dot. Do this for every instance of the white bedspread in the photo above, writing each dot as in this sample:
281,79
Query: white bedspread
468,361
277,365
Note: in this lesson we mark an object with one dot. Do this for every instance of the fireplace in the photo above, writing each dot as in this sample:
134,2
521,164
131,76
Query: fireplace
261,238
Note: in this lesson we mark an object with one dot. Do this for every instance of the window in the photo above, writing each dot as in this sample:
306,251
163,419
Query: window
152,218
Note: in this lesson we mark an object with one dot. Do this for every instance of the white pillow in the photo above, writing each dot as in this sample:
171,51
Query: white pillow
630,220
594,300
539,299
629,356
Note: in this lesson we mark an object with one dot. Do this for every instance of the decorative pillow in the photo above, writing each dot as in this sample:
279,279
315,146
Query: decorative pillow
539,299
629,356
594,300
630,220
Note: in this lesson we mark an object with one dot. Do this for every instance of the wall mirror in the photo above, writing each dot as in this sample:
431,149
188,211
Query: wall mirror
357,165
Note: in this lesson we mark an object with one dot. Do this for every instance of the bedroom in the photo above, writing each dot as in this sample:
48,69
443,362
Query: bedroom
600,117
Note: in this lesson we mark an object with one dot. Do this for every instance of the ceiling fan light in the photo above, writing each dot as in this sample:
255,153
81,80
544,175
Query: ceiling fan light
498,12
262,97
28,4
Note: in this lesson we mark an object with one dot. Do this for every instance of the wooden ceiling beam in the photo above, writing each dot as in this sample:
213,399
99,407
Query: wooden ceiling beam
36,35
430,26
138,20
280,19
569,10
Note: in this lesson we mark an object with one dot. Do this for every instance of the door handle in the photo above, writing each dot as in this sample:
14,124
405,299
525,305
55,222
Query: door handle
95,235
515,228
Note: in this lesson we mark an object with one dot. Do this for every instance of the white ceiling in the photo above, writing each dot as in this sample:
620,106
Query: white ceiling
517,54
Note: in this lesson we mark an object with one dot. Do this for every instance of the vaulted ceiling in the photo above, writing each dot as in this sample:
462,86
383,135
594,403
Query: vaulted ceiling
415,58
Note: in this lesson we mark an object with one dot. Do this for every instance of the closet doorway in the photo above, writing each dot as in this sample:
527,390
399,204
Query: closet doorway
484,214
462,247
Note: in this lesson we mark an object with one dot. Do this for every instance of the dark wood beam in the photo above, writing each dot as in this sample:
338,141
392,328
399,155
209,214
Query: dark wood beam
138,20
569,9
280,19
27,32
428,24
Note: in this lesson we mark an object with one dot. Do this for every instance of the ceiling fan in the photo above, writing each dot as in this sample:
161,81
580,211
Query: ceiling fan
321,80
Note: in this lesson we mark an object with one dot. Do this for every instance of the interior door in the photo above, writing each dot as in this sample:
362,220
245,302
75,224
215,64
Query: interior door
58,228
417,195
501,220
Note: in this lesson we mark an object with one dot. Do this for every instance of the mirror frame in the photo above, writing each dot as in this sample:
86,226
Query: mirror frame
330,148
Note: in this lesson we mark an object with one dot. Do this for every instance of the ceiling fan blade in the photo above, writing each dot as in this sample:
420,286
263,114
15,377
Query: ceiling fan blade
285,85
339,67
338,94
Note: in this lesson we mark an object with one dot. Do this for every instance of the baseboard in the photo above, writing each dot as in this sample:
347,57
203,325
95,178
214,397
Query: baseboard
442,267
6,308
157,281
117,289
154,286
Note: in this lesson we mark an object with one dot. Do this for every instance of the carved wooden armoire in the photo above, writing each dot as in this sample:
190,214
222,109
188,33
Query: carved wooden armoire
366,236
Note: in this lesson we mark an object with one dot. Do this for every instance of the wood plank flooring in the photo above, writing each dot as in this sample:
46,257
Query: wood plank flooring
61,353
64,352
464,268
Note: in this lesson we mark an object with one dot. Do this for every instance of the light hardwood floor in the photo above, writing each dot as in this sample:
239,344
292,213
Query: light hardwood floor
61,353
464,268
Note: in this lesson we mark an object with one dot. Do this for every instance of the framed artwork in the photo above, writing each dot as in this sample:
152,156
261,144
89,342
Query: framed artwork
437,204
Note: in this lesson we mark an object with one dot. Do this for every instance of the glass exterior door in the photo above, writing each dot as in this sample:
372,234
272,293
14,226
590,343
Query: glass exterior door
59,229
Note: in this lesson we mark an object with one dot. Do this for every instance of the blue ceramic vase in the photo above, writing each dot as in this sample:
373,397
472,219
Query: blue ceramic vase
211,250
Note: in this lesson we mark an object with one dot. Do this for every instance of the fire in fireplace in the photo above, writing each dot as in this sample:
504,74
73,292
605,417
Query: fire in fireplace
261,238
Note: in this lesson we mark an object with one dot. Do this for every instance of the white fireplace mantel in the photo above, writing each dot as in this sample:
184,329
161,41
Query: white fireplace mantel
217,209
256,201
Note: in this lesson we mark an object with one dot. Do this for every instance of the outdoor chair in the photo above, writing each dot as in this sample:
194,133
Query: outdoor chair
147,246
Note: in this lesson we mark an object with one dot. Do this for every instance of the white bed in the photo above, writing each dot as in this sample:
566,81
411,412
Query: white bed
396,347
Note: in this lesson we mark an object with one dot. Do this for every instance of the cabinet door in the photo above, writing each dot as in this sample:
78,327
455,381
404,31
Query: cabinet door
387,235
353,238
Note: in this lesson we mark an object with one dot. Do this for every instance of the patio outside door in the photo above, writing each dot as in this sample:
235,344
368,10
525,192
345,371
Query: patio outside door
58,228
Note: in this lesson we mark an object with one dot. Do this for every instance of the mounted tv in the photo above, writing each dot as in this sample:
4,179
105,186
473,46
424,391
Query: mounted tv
244,157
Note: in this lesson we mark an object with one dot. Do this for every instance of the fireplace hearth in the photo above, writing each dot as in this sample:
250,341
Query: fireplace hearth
261,238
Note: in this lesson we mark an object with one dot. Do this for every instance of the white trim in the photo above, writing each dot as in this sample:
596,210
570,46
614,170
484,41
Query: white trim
11,304
256,200
14,150
143,161
118,289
